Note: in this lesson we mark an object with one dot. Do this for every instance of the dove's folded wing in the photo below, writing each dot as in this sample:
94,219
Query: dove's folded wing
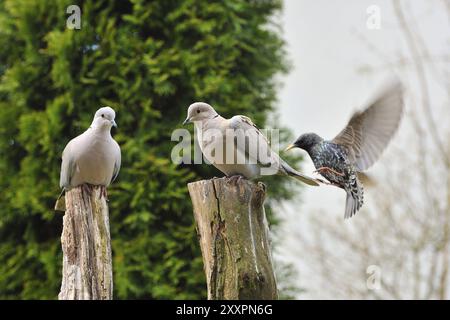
117,161
67,167
256,147
368,132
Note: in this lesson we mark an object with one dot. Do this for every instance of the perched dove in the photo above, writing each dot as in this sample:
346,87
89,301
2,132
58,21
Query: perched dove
93,157
358,145
236,147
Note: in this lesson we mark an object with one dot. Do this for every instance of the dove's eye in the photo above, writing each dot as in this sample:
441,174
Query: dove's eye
103,115
198,110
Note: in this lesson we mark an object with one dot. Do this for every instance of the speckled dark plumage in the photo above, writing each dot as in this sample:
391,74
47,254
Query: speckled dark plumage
358,145
326,154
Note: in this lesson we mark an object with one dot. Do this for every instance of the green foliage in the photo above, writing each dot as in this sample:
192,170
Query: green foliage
148,60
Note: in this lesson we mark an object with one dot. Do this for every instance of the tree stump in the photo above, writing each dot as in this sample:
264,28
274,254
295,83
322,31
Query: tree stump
234,240
86,245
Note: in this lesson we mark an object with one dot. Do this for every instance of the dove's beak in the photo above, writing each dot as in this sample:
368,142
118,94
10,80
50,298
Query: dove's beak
186,121
114,124
289,147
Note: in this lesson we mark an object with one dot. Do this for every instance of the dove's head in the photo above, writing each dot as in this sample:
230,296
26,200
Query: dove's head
200,111
306,141
104,118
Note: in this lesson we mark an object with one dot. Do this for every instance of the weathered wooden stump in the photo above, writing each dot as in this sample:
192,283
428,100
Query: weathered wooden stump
234,240
86,245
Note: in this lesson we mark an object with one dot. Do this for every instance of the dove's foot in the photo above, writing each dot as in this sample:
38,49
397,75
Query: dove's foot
87,188
262,185
236,178
104,193
327,169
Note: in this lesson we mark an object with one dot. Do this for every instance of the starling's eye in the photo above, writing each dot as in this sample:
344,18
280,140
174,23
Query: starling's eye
103,115
198,110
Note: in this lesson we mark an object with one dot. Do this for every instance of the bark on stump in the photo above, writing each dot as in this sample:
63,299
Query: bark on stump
234,240
86,245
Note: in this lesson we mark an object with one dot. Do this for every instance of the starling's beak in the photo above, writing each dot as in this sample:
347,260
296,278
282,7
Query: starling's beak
114,124
289,147
186,121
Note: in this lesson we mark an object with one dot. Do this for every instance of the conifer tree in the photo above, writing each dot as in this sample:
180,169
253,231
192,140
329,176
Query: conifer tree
148,60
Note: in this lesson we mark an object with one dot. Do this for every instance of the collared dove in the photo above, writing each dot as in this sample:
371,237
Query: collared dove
93,157
236,147
358,145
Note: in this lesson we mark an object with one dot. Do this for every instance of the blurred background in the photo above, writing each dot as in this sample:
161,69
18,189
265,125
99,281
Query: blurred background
295,65
397,246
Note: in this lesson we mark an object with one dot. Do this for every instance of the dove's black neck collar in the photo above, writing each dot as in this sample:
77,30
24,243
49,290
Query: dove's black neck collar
215,116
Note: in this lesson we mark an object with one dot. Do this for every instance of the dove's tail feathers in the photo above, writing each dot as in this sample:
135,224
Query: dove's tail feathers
299,176
61,194
355,197
60,204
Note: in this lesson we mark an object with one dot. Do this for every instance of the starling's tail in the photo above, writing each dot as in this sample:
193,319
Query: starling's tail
297,175
355,197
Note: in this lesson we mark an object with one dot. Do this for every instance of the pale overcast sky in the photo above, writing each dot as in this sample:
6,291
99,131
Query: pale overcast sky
327,43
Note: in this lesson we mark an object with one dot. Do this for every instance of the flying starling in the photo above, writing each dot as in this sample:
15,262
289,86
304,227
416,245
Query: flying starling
358,145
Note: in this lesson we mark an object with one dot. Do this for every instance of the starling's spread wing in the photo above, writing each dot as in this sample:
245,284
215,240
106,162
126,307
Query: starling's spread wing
369,131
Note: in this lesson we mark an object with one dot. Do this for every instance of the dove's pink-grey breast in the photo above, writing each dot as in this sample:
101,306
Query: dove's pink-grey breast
94,156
